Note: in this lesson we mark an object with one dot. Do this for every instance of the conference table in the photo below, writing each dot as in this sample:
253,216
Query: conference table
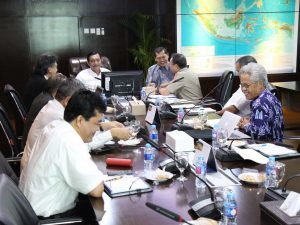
174,195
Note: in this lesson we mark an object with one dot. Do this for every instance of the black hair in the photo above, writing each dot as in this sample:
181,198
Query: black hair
53,83
161,49
68,88
179,60
245,60
92,53
43,63
84,103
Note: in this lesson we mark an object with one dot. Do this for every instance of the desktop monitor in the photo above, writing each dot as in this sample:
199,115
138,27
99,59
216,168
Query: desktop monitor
122,83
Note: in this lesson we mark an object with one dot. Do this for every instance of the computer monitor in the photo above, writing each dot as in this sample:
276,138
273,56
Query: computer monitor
122,83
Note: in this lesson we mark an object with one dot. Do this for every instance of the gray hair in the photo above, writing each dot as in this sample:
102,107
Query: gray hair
256,73
68,88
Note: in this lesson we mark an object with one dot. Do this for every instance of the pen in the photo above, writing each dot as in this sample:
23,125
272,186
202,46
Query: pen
114,178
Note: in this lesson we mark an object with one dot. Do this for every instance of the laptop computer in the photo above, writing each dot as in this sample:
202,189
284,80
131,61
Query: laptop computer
229,122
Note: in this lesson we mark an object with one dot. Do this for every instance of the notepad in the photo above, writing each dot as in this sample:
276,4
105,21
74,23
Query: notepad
271,149
116,186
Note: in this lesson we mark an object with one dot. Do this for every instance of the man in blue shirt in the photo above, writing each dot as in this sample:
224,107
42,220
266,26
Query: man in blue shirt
160,72
266,118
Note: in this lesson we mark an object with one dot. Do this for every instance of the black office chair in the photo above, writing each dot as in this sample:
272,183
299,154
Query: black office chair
7,132
16,210
6,168
221,95
15,97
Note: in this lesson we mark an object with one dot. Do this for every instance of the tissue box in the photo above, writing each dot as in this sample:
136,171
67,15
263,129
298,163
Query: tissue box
137,107
179,141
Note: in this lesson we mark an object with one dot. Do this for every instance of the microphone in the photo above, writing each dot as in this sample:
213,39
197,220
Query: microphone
167,213
204,206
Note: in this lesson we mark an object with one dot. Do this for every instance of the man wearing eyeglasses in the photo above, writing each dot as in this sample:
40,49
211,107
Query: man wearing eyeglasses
266,117
238,104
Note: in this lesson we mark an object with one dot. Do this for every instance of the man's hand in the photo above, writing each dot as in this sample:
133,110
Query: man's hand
120,133
243,122
164,91
110,125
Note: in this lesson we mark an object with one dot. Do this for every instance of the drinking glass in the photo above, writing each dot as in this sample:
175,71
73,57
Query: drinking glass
222,137
114,100
126,111
181,160
220,195
135,126
279,173
202,115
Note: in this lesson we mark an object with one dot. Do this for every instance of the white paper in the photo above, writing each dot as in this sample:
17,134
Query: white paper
212,123
150,114
271,149
291,205
251,155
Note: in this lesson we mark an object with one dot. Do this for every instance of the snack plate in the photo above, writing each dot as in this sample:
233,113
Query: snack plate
252,178
130,142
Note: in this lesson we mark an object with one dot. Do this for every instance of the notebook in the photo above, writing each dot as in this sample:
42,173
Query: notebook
116,186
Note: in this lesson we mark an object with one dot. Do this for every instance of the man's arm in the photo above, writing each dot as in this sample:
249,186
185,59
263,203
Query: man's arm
230,108
97,191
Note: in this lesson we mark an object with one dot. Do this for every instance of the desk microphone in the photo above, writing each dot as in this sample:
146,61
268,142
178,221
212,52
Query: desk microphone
203,206
167,213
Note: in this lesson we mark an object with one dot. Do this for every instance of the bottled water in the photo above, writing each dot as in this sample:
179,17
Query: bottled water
143,94
148,158
270,167
215,143
158,103
153,134
104,98
230,209
180,114
200,171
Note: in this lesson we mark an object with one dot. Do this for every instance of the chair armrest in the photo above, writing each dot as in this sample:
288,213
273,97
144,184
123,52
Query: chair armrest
67,220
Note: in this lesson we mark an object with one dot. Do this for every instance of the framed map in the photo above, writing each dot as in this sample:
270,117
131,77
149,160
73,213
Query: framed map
213,34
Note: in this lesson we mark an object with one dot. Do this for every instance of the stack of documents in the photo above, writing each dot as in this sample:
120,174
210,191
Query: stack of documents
269,149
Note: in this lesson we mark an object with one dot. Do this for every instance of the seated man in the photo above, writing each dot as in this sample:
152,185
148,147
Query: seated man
160,72
266,118
54,110
91,77
40,101
60,166
238,103
186,83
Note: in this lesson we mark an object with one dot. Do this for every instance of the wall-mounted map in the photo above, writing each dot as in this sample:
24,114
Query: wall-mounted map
214,33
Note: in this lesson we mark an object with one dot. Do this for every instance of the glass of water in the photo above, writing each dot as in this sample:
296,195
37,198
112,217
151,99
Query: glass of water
222,137
182,161
279,173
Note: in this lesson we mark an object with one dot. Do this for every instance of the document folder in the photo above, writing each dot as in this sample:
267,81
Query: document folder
116,186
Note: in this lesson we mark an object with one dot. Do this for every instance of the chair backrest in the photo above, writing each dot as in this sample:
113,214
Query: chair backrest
17,101
14,207
6,169
9,134
224,92
76,64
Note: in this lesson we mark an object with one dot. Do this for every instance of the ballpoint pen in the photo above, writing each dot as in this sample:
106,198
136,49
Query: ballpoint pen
114,178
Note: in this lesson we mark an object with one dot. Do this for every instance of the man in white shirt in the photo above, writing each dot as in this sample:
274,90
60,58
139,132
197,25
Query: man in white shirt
60,166
238,103
54,110
91,77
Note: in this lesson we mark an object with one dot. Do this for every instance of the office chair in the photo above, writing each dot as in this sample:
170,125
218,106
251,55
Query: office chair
221,95
12,140
15,208
6,169
17,101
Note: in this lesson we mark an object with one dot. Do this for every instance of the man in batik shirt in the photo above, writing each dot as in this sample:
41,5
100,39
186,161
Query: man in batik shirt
266,118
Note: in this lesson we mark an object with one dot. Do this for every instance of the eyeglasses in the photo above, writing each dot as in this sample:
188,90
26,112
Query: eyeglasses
246,86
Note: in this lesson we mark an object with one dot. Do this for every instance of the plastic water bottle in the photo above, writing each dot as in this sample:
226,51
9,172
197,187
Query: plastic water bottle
180,115
153,134
215,143
143,94
270,167
158,103
148,158
200,171
104,98
230,209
